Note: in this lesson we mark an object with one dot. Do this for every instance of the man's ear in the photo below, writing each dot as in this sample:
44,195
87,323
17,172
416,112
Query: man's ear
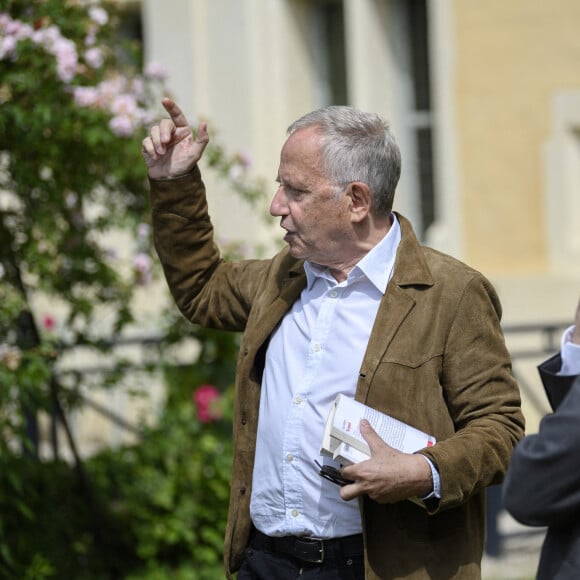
361,200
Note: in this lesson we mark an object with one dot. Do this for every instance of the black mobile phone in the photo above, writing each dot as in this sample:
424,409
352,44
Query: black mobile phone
332,474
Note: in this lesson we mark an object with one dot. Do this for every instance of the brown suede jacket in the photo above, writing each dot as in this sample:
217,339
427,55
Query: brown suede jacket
436,359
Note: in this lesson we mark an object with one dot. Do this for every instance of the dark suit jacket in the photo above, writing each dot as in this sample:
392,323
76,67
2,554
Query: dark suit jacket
555,385
542,486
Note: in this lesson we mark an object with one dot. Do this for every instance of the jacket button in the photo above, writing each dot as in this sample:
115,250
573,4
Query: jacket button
244,421
243,490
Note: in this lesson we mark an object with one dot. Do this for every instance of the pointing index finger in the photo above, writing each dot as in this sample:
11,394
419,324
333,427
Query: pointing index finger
175,113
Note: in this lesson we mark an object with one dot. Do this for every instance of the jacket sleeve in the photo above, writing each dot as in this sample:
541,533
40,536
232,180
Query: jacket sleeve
542,486
208,290
481,397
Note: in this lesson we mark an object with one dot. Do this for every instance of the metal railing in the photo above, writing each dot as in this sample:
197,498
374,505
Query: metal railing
528,343
546,335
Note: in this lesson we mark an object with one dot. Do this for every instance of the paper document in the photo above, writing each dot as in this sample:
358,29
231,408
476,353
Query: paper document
343,441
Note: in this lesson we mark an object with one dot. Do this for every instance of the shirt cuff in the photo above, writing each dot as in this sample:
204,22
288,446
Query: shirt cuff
570,353
436,478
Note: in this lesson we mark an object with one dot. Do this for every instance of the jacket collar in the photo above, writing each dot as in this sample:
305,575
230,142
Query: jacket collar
410,265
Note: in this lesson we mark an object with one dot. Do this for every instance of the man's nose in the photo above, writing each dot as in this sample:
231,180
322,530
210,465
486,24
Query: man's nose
278,206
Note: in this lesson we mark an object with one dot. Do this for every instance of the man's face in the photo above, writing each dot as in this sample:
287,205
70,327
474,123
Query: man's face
317,223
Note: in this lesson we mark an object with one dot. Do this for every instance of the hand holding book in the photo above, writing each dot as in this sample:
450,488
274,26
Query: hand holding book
389,476
343,441
380,461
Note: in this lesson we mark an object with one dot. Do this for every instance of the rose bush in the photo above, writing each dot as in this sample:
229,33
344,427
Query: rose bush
75,101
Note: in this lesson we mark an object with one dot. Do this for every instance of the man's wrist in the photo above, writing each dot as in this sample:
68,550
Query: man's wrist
175,177
435,480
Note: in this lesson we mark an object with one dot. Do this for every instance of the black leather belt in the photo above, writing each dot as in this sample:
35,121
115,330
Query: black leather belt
314,550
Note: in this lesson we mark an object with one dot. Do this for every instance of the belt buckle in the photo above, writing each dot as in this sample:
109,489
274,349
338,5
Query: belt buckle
311,541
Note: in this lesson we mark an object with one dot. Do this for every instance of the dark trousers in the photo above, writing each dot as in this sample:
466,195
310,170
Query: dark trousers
264,562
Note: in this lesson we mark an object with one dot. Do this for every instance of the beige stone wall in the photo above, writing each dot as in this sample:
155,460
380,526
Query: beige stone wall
506,103
505,80
512,59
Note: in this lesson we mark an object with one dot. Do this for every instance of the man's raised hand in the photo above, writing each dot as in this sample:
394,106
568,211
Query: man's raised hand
170,150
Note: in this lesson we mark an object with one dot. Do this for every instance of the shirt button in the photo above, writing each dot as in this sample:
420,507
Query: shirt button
295,513
316,347
298,400
334,294
289,457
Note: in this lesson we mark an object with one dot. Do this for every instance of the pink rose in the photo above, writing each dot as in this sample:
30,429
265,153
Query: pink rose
48,322
205,398
142,269
122,125
94,57
156,71
98,15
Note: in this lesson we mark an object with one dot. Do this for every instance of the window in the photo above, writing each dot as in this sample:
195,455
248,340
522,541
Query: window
421,115
130,33
330,54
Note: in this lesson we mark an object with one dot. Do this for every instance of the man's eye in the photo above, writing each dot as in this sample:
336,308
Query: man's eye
294,192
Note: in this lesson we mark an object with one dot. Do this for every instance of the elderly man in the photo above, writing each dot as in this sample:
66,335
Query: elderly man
353,305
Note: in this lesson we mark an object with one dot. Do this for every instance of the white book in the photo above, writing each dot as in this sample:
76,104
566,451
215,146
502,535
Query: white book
343,441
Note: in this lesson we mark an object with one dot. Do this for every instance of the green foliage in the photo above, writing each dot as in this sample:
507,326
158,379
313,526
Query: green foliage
153,510
173,490
73,111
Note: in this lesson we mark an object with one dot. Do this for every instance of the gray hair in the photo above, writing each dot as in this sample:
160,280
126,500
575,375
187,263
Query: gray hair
357,146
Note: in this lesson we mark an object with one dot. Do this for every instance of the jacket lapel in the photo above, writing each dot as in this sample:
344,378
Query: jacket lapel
410,270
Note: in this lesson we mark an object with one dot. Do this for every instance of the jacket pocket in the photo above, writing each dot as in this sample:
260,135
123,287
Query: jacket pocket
422,527
409,388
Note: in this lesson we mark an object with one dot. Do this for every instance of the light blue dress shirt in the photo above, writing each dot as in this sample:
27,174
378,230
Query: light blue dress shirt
314,354
570,353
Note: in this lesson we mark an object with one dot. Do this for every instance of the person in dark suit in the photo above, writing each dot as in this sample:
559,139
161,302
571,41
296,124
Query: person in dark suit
542,486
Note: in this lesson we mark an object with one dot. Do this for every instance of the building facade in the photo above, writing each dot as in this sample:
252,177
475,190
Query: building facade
483,98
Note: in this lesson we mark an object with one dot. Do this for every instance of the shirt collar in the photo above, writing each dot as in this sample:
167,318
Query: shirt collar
377,265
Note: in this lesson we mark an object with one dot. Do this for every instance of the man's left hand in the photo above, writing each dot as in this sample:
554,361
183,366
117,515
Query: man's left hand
388,476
